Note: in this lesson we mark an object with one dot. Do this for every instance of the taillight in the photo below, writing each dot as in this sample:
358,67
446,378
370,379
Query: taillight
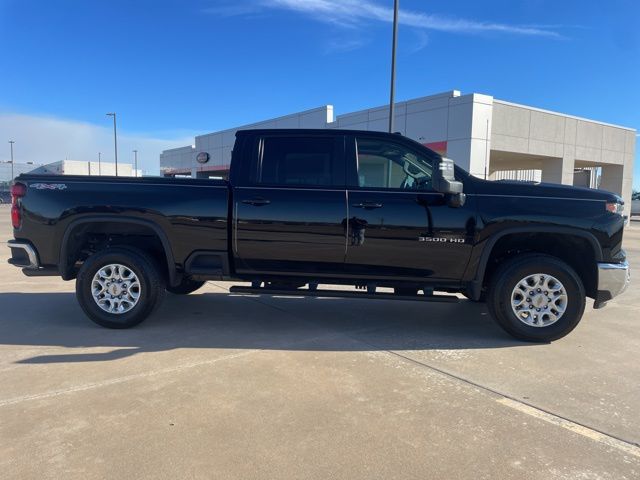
18,190
16,218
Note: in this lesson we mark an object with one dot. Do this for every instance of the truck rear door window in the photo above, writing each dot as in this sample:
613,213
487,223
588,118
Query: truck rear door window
297,161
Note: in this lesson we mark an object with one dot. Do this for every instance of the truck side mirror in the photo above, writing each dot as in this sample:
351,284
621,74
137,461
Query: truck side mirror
444,181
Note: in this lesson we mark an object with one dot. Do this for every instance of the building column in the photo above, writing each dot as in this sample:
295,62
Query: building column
469,132
558,170
613,179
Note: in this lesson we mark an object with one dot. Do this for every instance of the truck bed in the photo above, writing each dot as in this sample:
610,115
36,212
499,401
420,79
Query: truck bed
189,214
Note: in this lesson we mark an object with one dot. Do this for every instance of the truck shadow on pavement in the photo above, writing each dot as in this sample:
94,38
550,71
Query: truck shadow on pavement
224,321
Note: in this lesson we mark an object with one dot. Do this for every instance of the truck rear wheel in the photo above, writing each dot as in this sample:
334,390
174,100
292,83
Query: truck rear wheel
185,287
536,298
119,287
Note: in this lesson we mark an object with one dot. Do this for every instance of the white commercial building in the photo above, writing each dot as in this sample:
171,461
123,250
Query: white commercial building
6,170
490,138
67,167
79,167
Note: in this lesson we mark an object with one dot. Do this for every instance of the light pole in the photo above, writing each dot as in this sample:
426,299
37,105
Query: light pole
11,142
135,156
99,163
115,139
396,5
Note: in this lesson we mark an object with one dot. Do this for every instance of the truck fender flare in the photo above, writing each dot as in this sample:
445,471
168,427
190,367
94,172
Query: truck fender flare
171,266
476,283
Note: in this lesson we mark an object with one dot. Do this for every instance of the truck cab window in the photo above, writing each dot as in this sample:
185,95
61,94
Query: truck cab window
383,164
297,161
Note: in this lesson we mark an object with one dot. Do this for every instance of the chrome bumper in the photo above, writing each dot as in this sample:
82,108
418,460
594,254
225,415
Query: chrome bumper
613,279
23,255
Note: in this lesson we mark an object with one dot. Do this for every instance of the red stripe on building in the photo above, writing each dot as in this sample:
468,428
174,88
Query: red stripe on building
213,168
440,147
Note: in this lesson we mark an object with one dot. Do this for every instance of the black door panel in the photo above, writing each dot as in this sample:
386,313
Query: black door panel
256,201
398,225
290,230
288,217
410,235
367,205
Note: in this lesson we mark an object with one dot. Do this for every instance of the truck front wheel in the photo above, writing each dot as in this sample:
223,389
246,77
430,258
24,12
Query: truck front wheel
536,297
119,287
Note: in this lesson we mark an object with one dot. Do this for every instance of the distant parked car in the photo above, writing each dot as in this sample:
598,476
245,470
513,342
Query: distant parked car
635,203
5,197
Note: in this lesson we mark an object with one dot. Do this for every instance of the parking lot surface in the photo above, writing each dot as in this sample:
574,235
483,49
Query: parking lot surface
224,386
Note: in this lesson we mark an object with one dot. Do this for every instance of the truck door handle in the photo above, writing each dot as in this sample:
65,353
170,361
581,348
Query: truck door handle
256,202
367,205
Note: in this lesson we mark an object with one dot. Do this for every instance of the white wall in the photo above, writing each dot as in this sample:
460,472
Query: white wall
79,167
458,120
562,142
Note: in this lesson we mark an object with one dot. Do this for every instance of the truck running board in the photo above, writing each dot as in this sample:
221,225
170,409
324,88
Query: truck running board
342,294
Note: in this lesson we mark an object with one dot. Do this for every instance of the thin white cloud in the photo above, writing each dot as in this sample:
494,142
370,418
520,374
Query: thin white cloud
233,9
346,45
421,41
352,13
42,139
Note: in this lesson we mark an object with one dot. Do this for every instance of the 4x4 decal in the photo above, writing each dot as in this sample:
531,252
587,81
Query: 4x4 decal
48,186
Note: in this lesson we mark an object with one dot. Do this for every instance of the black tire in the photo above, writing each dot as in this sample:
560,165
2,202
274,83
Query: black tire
186,287
504,281
152,286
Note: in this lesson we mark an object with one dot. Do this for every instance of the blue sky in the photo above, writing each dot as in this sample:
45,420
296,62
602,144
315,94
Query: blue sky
172,69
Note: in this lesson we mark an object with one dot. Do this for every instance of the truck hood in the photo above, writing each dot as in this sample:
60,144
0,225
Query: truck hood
534,189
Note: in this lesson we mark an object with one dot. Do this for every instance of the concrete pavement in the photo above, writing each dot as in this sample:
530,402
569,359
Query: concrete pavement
221,386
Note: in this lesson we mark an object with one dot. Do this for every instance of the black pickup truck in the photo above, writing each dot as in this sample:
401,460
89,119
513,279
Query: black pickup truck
304,208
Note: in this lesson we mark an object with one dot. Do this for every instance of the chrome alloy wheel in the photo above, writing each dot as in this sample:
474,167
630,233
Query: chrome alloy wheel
115,288
539,300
